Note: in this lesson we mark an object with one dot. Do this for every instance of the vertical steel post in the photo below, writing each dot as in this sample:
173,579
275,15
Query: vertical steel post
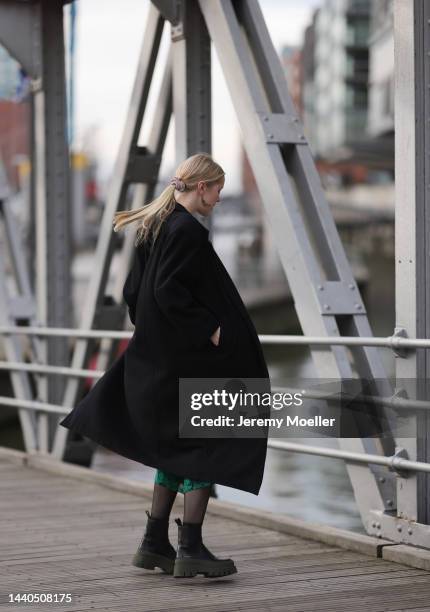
412,171
54,246
191,83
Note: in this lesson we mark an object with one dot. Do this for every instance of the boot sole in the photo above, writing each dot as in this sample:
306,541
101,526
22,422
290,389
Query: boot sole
188,568
150,561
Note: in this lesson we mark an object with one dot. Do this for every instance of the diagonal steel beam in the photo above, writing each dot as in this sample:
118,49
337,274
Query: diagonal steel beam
116,200
142,193
13,308
308,243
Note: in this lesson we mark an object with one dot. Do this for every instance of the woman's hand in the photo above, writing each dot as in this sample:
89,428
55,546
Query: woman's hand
215,336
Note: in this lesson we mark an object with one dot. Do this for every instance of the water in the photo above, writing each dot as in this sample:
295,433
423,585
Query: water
312,488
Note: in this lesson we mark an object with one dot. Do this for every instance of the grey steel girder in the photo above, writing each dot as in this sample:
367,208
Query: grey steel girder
52,195
191,53
13,345
171,10
20,34
33,32
20,31
116,199
412,159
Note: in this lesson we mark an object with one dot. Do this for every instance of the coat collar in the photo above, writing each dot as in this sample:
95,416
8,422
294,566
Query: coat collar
181,208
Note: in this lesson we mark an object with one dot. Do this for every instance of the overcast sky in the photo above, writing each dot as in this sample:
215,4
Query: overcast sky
107,48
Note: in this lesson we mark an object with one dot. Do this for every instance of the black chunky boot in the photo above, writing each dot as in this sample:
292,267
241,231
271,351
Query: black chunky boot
155,549
194,558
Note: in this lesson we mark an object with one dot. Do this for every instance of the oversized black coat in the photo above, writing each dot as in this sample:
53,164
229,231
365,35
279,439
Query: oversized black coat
178,294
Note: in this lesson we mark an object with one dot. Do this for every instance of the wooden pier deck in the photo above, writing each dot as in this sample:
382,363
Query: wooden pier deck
64,529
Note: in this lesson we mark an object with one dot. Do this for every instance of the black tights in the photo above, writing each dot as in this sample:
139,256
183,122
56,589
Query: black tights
195,503
162,501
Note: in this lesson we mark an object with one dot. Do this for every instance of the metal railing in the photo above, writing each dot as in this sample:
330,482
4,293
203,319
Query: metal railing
393,342
395,462
395,401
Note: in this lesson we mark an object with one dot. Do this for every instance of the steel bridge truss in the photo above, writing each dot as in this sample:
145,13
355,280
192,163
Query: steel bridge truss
326,296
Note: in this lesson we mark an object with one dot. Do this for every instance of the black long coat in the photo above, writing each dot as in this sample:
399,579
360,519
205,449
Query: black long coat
178,294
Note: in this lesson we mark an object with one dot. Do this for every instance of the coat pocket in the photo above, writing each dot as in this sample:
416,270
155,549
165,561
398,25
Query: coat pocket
227,338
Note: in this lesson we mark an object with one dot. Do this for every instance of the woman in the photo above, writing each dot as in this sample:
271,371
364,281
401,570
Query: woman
189,322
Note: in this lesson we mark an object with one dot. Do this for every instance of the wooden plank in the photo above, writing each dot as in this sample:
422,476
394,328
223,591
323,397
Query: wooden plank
408,555
80,538
339,537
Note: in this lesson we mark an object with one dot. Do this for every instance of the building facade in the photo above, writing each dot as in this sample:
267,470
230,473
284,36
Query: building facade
335,88
381,70
14,118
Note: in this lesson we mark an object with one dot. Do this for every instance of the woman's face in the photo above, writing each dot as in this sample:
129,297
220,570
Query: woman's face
208,196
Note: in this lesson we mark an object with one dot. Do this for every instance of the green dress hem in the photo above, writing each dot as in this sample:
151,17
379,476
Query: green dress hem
178,483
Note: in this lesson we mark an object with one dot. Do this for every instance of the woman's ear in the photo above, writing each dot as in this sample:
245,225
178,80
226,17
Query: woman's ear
201,187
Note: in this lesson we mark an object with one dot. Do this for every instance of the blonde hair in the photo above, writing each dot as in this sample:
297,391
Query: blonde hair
198,167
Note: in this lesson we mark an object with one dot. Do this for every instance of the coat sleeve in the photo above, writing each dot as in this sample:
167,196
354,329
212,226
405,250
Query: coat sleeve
179,271
132,283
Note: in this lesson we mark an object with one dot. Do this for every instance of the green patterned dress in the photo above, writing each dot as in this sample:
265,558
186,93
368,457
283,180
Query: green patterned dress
177,483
